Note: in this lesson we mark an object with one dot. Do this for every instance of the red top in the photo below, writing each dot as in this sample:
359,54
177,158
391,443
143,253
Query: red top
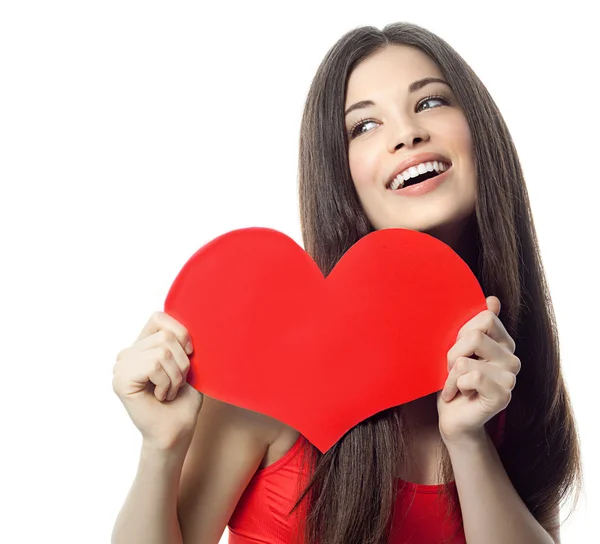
260,515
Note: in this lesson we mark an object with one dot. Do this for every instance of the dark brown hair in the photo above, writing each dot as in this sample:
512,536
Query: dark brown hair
352,487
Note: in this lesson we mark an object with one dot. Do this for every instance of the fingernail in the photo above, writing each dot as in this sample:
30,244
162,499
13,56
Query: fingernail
189,348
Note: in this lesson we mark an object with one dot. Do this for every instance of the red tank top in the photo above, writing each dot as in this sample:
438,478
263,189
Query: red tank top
260,515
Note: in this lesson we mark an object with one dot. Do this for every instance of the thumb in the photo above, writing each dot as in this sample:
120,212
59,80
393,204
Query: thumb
493,304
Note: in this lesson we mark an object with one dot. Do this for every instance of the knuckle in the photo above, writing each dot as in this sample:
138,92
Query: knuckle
156,316
119,360
516,364
185,336
182,332
478,377
507,379
462,364
475,336
166,335
164,353
472,333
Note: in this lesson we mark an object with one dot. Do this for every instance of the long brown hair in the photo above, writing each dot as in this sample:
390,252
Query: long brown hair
352,487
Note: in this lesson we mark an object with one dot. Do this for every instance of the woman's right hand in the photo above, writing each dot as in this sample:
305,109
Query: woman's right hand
150,379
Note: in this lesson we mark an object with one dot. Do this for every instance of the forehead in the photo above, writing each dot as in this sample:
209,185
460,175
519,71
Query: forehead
393,68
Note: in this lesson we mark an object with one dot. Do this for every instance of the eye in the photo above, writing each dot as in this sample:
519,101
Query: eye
355,128
437,97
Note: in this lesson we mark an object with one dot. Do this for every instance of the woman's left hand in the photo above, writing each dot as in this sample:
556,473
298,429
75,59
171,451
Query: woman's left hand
477,389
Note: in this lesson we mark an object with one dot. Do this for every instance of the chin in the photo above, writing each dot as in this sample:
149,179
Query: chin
435,226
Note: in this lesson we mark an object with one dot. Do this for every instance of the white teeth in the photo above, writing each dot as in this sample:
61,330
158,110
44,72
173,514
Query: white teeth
415,171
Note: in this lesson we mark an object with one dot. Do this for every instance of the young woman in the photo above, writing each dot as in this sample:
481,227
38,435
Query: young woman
487,460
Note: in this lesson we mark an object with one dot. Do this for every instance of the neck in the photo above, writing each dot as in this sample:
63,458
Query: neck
462,238
421,415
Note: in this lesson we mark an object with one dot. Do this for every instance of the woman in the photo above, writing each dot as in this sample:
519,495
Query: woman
502,451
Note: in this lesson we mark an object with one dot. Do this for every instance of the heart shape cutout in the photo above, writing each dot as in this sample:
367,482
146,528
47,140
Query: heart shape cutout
272,335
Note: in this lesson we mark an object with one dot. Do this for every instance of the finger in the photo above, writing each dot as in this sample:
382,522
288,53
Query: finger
176,356
148,370
489,323
182,363
476,343
492,394
465,365
167,339
461,366
159,321
165,389
504,379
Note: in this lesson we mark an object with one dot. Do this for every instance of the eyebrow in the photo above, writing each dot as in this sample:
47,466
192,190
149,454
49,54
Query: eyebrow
413,87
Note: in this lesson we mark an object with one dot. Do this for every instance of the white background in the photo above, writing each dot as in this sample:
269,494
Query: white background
132,133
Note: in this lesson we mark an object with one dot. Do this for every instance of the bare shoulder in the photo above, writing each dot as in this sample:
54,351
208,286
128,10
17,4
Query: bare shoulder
264,427
278,437
283,443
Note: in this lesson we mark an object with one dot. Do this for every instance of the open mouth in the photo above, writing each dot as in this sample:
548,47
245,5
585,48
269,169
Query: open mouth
419,179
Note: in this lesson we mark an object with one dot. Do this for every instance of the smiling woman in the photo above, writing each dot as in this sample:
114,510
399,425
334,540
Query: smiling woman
397,132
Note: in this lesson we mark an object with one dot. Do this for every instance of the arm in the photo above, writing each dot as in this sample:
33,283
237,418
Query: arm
187,493
149,514
492,511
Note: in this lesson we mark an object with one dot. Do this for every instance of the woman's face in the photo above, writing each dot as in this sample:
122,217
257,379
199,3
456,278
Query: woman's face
401,125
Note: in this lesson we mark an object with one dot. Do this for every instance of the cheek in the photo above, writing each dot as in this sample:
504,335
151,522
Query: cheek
457,133
464,139
362,169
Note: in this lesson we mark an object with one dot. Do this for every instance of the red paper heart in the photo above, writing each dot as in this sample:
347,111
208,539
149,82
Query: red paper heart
272,335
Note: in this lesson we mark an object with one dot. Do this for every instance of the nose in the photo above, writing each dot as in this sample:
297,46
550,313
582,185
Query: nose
409,137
